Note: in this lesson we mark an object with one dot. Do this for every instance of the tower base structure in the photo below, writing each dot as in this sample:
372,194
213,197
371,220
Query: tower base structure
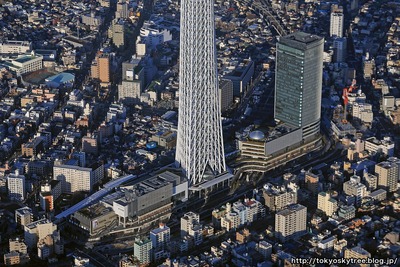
217,183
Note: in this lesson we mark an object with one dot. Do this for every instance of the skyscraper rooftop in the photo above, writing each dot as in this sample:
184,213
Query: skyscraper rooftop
300,40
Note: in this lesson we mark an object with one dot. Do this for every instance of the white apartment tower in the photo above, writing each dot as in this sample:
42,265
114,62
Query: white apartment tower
75,178
388,173
16,186
337,20
190,226
160,238
291,222
327,204
142,251
355,188
189,220
122,9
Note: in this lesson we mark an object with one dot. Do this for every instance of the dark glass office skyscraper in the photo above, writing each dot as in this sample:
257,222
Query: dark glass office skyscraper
298,81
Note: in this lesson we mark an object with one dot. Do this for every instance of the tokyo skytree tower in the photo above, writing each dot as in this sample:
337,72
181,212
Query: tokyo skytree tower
200,149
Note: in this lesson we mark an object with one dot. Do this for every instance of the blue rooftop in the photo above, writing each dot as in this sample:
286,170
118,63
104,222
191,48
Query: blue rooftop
61,78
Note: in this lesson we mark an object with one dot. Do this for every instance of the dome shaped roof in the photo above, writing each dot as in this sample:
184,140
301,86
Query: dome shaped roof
257,135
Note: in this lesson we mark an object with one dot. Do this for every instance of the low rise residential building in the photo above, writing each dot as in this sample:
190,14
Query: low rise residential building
23,216
385,146
278,197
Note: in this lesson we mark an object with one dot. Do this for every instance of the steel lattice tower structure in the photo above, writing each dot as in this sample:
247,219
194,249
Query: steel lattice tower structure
200,150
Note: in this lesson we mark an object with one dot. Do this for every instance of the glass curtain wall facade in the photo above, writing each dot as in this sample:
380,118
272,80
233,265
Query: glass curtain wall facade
298,86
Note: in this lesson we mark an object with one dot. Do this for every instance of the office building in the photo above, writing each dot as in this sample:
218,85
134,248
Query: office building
101,68
291,222
132,82
384,146
165,139
122,9
117,33
239,213
129,91
15,47
24,64
75,178
126,262
92,20
160,237
151,36
199,121
226,94
49,245
242,236
90,144
337,20
3,185
340,49
363,112
388,175
16,186
327,243
339,246
369,68
264,248
38,230
44,250
378,195
40,168
395,160
240,72
142,251
49,193
327,204
23,216
298,81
